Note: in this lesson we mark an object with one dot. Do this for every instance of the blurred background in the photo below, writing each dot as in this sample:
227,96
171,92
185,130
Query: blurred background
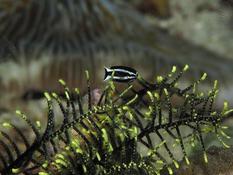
206,23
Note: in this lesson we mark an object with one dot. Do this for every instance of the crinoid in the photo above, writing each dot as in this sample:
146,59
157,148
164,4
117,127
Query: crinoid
108,137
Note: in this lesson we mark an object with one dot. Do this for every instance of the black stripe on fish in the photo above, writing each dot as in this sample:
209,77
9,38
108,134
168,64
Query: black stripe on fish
121,73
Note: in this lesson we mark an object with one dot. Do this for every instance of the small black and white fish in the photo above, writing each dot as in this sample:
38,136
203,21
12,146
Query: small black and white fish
120,73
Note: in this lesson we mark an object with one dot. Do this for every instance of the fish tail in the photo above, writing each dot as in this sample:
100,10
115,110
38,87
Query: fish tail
107,71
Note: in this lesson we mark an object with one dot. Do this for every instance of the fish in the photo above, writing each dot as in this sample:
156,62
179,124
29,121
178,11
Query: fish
120,74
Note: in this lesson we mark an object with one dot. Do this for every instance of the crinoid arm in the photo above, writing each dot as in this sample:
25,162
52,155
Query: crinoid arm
137,130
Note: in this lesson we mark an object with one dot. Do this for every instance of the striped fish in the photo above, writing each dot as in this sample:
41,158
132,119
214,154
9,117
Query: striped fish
120,74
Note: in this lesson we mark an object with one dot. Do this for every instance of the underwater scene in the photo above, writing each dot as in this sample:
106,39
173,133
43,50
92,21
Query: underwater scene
114,87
